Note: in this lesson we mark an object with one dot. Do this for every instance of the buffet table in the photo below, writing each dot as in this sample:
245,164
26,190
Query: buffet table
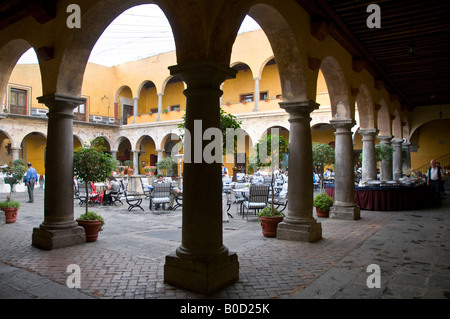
388,197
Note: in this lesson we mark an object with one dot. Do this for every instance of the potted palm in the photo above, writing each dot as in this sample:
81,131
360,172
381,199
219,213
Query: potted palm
91,164
322,202
270,217
13,176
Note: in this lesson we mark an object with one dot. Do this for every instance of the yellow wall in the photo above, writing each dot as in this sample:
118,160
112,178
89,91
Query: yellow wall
34,148
433,141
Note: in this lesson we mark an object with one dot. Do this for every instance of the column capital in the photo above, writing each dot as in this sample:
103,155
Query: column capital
60,100
406,143
385,138
299,109
368,131
397,141
201,74
346,124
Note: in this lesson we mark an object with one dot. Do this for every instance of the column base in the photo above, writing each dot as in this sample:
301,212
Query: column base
299,232
199,276
346,212
49,239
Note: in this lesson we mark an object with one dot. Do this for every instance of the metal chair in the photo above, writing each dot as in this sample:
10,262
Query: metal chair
145,187
257,199
160,195
134,200
83,196
280,199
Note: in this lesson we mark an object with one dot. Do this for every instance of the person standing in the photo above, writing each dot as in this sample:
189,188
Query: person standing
434,177
30,180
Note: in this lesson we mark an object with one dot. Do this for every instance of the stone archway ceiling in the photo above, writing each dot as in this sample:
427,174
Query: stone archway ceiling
418,79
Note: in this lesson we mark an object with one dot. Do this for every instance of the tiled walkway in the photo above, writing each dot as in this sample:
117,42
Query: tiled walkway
412,249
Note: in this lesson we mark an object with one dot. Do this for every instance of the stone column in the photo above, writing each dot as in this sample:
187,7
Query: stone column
135,161
201,263
114,154
397,158
386,164
344,206
135,109
369,162
159,158
407,162
256,94
15,153
59,229
160,95
299,223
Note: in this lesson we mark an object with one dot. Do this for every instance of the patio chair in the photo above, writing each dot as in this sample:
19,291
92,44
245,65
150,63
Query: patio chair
117,196
280,199
257,199
145,184
82,195
239,196
134,200
160,195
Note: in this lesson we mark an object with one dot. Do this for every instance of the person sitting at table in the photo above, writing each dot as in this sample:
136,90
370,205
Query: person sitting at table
173,192
113,187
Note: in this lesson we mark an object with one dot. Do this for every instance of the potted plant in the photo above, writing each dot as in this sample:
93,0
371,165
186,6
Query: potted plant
10,207
91,164
166,163
270,217
92,223
322,202
130,172
14,176
149,170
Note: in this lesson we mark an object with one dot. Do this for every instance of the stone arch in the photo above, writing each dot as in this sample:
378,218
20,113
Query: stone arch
33,147
9,55
147,94
79,44
264,64
105,142
365,108
337,88
119,90
143,85
280,35
168,80
383,119
77,141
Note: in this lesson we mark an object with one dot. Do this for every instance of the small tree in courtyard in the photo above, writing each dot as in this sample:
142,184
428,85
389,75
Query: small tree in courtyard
323,155
91,164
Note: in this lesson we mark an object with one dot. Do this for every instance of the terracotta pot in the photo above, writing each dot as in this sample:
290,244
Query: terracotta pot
321,213
269,226
11,214
91,228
